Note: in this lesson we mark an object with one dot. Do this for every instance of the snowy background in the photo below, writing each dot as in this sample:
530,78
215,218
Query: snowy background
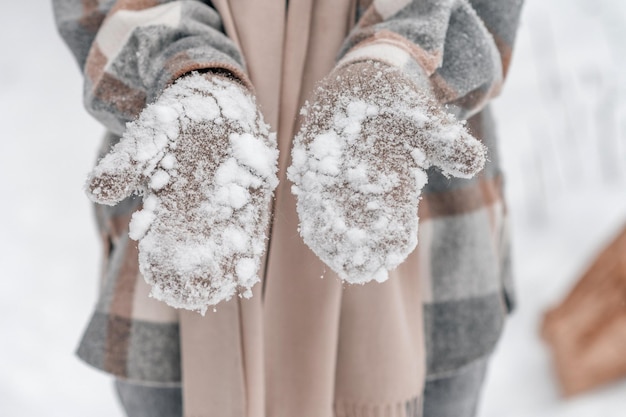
562,121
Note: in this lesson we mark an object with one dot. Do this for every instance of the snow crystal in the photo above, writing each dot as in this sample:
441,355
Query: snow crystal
232,195
164,114
233,107
420,178
357,111
201,108
159,179
140,223
254,153
380,275
168,162
150,202
201,230
356,236
326,152
236,239
419,157
231,172
246,270
380,224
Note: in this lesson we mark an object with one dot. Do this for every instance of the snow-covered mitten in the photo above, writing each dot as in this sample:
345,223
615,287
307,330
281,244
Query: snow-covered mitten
206,164
358,166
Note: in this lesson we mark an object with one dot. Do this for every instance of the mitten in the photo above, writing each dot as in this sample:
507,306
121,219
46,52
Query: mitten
205,162
358,166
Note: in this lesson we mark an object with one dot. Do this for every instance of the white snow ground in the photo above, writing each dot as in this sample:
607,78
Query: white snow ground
562,120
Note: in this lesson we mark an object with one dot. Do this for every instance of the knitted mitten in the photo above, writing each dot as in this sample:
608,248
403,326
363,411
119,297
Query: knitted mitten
358,166
206,164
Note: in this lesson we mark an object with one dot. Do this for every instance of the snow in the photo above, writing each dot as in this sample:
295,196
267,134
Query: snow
159,179
50,251
190,248
326,154
140,223
246,269
230,172
358,167
253,153
232,195
168,162
562,122
236,239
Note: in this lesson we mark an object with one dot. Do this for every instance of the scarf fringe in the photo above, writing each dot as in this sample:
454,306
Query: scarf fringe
410,408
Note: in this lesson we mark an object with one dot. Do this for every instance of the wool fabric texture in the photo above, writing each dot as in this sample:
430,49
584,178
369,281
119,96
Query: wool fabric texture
305,345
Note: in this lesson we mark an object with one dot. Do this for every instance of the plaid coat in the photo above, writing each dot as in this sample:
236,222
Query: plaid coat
304,345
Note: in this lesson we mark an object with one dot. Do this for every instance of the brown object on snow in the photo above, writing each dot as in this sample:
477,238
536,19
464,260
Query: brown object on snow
587,331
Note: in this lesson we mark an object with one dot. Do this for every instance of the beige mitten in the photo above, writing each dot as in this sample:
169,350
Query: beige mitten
205,163
358,166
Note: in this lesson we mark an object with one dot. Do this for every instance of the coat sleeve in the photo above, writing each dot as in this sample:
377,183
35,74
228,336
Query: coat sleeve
459,48
130,50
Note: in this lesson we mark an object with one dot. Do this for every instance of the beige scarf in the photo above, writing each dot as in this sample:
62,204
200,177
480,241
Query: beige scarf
303,346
